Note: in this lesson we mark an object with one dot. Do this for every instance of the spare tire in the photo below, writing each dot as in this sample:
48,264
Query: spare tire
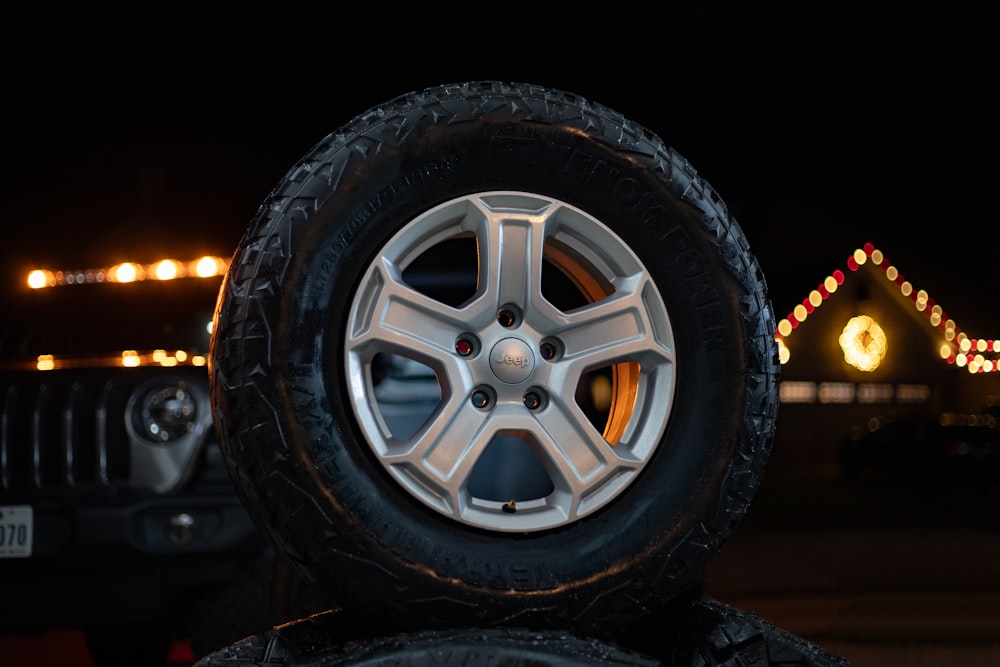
492,354
323,640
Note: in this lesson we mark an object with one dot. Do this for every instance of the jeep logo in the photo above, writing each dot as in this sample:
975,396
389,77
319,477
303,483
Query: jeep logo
511,360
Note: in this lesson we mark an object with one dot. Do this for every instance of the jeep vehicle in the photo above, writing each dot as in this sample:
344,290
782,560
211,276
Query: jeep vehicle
117,516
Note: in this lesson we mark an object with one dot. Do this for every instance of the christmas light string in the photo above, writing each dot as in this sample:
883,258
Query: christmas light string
957,347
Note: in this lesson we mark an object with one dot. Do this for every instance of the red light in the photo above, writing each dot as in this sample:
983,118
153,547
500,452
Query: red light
869,249
838,275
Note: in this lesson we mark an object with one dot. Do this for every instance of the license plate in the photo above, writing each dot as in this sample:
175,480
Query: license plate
16,522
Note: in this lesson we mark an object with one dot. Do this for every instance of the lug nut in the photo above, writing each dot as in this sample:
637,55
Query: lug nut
480,398
547,350
463,346
506,317
532,400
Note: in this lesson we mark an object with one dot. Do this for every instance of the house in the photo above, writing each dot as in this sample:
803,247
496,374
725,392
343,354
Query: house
866,346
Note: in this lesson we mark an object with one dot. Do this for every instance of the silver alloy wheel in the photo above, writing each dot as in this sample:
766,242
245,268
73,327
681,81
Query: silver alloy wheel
508,363
442,359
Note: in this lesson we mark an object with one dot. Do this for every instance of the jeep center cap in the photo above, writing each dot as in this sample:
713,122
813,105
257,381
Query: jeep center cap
512,360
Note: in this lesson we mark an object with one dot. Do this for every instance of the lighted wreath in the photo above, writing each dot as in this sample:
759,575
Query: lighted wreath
863,343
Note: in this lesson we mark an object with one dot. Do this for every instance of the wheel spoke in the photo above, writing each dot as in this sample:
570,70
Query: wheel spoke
581,458
443,453
402,320
446,441
587,336
511,257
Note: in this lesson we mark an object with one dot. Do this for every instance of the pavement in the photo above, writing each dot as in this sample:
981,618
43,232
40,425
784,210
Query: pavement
881,573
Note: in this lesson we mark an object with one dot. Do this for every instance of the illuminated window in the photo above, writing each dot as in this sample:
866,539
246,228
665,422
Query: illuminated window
797,392
836,392
875,392
913,393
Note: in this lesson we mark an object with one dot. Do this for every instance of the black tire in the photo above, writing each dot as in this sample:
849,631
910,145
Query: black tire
724,635
315,642
264,592
710,632
678,441
705,632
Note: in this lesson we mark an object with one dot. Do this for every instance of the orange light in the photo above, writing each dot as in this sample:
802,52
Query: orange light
126,272
863,342
168,269
208,266
38,279
784,354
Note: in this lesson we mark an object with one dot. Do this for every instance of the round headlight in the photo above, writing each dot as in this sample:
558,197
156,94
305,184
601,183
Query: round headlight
163,413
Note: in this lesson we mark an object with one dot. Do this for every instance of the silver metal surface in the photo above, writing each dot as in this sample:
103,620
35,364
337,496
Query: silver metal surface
622,325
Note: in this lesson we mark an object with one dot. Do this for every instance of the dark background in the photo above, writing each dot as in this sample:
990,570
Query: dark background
139,131
133,132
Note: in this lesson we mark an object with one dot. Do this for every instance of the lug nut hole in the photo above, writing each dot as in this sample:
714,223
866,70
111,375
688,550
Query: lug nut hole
508,317
466,346
481,399
534,399
549,349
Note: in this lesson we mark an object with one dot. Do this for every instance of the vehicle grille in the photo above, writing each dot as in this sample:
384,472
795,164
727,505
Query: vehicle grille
63,432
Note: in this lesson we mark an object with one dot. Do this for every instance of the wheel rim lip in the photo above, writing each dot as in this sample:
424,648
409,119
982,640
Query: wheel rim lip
650,391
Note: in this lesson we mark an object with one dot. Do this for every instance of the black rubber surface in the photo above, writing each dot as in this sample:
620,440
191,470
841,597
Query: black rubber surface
278,383
706,633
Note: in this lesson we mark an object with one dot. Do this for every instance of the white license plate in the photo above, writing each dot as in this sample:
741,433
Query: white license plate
16,522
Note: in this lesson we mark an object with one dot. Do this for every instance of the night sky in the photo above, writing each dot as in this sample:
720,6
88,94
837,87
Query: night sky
822,125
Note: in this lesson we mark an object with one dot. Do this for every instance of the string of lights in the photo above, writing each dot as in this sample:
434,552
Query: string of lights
129,272
208,266
863,340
